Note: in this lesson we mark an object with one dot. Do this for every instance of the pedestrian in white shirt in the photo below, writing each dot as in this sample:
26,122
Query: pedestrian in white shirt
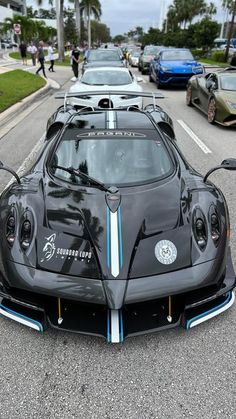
33,51
51,56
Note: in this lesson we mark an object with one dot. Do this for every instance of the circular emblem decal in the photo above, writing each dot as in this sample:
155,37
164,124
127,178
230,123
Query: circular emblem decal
165,252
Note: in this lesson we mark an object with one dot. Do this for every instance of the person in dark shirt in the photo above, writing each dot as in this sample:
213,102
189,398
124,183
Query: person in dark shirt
23,52
75,54
41,59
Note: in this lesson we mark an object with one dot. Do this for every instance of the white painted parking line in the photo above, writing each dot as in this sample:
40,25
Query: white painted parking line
195,138
27,162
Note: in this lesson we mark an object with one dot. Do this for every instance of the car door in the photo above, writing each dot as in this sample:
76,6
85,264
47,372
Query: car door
204,91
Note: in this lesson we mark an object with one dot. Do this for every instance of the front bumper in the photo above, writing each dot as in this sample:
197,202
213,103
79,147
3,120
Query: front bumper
142,309
174,78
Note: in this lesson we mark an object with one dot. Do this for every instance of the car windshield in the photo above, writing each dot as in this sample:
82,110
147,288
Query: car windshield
176,55
111,160
228,82
135,54
151,50
109,78
103,55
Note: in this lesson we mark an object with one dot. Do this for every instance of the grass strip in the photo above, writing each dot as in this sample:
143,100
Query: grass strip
216,63
16,85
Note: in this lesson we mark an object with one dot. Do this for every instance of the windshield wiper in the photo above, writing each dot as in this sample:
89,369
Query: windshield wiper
83,175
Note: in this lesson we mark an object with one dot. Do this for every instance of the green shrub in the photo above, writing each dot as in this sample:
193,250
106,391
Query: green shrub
218,56
199,53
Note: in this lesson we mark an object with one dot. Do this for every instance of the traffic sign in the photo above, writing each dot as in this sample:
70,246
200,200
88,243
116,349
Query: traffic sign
17,28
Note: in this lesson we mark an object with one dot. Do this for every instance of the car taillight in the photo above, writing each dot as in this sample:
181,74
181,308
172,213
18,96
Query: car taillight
200,229
11,228
26,230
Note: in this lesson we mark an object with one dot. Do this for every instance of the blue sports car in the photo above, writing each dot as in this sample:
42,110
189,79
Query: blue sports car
173,66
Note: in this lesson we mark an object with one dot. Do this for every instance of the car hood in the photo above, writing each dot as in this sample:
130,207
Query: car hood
85,223
180,66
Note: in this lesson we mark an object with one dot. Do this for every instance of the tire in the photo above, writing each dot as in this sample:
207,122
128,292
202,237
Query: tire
143,71
189,94
211,111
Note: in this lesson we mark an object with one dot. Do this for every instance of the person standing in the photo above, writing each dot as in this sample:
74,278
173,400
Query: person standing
75,55
51,57
33,51
86,52
41,59
23,52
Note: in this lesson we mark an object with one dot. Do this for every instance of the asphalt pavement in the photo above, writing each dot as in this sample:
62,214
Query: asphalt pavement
172,374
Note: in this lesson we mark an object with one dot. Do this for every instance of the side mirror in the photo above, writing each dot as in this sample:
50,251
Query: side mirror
228,164
8,169
210,85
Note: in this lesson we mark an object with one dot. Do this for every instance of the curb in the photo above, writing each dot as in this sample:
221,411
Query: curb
14,110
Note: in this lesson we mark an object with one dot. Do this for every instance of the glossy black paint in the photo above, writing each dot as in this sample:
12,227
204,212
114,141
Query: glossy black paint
67,255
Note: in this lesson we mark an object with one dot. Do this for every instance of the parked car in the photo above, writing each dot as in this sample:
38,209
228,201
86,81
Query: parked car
102,57
134,58
111,232
215,94
232,49
149,52
112,79
173,66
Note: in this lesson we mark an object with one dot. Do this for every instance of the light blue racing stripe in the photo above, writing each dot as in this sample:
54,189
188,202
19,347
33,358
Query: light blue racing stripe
108,239
209,311
108,327
120,237
23,317
121,326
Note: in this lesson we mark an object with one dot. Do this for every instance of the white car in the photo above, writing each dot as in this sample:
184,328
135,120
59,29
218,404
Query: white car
110,79
232,49
134,58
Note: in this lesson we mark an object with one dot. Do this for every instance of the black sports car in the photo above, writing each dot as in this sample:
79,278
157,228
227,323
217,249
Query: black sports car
111,232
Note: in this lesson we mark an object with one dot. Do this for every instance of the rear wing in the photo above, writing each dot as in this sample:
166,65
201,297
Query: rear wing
66,95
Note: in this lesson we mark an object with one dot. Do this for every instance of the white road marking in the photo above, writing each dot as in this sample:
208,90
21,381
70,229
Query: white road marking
195,138
26,163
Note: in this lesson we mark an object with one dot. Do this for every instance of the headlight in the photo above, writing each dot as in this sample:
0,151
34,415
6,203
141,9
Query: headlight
214,225
231,105
200,228
27,227
10,229
165,69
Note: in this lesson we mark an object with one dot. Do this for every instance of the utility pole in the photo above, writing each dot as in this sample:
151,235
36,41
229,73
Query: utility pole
231,28
60,29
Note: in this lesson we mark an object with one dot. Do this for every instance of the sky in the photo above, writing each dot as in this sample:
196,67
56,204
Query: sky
123,15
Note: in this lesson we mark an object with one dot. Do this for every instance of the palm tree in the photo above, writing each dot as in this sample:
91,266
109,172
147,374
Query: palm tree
60,26
88,8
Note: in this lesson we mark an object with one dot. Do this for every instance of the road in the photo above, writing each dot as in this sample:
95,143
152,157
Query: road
170,375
